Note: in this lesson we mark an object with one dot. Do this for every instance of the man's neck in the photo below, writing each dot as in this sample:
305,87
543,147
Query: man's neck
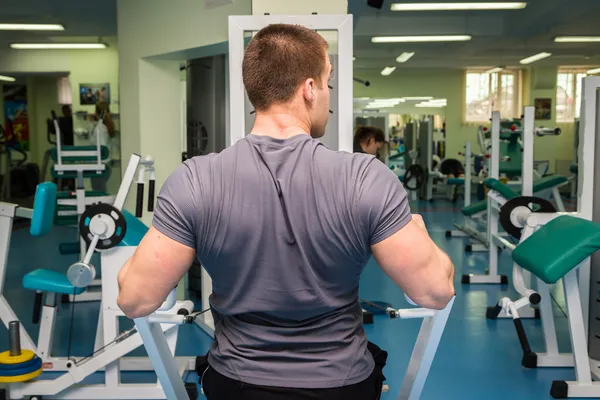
279,125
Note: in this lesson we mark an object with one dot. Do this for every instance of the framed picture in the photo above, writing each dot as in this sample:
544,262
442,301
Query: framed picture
92,93
543,109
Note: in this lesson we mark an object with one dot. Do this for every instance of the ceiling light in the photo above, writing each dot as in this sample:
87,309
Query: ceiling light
404,57
7,78
418,98
387,71
535,58
31,27
577,39
494,70
416,39
593,71
457,6
57,46
428,105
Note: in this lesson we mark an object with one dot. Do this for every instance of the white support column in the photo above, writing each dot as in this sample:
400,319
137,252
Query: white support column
468,173
528,151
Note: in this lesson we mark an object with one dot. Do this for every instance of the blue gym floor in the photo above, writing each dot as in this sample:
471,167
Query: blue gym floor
477,358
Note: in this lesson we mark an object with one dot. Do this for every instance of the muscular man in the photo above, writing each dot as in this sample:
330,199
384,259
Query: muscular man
285,226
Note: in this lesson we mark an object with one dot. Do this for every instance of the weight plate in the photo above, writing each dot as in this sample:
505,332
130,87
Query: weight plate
20,378
414,173
103,210
33,361
6,358
534,204
22,370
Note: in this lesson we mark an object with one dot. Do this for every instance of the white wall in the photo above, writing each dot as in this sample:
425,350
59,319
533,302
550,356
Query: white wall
150,33
82,66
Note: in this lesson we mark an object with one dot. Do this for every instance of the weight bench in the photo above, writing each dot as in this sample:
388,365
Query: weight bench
552,253
542,187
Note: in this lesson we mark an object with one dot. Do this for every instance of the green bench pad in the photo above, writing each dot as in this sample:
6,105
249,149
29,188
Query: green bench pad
69,159
456,181
504,190
558,247
72,195
548,182
474,208
573,169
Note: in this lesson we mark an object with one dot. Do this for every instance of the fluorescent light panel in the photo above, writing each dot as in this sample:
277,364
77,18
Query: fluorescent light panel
593,71
577,39
420,39
458,6
31,27
494,70
57,46
404,57
418,98
387,71
535,58
7,78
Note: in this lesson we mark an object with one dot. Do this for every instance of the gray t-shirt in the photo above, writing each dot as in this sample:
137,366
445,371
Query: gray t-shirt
284,228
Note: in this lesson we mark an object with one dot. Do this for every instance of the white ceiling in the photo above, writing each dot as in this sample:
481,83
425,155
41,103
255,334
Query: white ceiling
499,37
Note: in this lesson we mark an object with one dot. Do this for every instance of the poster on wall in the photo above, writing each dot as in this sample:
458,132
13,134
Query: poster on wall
16,122
92,93
543,109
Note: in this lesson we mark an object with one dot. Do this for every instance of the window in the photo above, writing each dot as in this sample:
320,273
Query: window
568,94
492,92
65,95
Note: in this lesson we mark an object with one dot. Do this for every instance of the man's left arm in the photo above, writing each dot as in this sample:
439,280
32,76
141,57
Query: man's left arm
166,252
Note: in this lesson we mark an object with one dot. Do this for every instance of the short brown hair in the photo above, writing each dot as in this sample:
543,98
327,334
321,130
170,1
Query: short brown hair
278,59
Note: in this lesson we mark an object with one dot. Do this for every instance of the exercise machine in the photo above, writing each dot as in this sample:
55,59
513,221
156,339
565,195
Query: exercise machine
104,227
563,247
499,193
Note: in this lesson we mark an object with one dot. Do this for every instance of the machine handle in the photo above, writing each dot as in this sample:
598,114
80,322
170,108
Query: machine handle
14,338
542,131
139,201
53,115
151,195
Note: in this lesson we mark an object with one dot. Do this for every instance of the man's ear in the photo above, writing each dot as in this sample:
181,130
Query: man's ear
308,90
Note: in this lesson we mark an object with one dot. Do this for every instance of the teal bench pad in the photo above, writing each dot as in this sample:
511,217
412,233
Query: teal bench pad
574,169
548,182
44,280
44,205
504,190
474,208
558,247
456,181
136,230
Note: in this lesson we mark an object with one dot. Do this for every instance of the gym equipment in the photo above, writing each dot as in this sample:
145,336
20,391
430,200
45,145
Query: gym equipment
542,187
500,193
17,365
563,246
112,345
18,178
78,162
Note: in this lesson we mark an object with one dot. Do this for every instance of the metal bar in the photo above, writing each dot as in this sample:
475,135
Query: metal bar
162,359
128,177
430,334
527,166
468,173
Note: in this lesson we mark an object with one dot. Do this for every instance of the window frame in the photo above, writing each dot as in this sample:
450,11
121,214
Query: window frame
576,93
495,93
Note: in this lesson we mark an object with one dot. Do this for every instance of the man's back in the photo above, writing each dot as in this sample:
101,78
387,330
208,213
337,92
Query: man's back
284,228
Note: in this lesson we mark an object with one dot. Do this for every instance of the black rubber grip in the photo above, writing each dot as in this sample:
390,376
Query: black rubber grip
151,195
37,307
139,201
53,115
522,336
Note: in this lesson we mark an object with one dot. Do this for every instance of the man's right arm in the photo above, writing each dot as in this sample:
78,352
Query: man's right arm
416,264
399,241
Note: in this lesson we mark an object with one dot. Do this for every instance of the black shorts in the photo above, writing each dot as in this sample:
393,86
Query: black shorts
219,387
